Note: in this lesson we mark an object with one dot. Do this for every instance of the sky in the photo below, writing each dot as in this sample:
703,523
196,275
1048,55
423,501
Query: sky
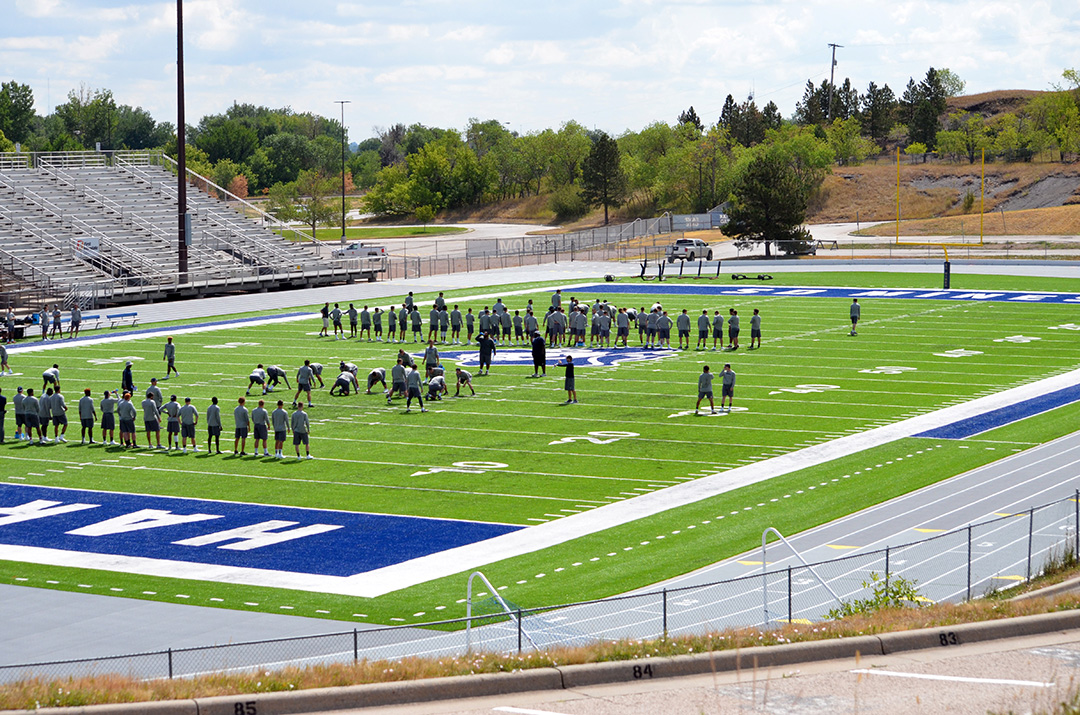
614,65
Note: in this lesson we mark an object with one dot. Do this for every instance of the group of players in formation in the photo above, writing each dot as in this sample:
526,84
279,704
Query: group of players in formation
561,327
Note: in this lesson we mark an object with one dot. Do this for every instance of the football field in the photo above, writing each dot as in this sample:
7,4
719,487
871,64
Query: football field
403,494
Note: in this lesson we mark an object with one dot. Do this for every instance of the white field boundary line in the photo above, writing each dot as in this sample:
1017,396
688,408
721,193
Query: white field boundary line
954,678
453,561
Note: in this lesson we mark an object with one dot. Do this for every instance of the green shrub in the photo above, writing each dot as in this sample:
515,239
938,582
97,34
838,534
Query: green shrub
567,205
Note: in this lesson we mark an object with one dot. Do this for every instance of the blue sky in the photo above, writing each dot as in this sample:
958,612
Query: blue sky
609,64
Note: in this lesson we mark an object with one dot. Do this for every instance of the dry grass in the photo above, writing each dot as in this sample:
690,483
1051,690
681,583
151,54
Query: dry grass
1055,221
869,191
37,693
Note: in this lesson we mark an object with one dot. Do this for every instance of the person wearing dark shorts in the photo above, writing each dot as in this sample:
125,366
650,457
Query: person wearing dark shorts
487,351
108,418
703,330
3,415
189,417
59,415
213,426
301,428
87,415
151,421
704,388
172,425
279,419
20,416
733,329
170,358
568,381
412,390
126,413
31,421
727,390
539,355
856,313
260,423
241,421
755,330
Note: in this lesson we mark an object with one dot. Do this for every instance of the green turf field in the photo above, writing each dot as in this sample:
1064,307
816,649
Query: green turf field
632,432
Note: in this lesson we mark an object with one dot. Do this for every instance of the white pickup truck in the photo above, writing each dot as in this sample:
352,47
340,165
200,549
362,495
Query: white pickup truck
689,249
359,250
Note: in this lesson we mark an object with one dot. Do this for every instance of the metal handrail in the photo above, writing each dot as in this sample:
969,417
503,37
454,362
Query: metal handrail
765,579
506,609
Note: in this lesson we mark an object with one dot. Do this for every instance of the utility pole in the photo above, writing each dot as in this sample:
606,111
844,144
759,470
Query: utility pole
832,70
184,237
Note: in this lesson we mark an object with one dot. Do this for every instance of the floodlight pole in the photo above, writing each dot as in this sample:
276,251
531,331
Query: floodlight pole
184,237
342,102
832,70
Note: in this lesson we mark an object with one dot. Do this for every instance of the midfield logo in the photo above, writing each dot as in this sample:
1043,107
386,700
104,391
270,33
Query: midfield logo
582,356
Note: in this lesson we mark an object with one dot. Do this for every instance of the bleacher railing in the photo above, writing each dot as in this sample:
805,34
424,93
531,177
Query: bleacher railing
954,566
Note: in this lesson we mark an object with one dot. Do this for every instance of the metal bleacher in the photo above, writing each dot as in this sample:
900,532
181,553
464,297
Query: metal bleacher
101,228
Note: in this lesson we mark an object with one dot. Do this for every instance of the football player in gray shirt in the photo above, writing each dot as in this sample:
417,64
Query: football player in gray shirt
727,389
303,382
59,415
455,325
108,418
391,325
412,384
365,323
417,324
45,415
189,417
444,324
397,381
151,422
260,423
704,389
376,320
241,421
87,415
4,367
213,426
20,415
30,414
352,327
733,330
717,330
301,429
703,330
125,414
76,322
755,330
433,323
155,392
170,358
279,420
470,323
403,322
172,425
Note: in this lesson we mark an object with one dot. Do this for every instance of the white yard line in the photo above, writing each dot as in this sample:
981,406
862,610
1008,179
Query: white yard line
954,678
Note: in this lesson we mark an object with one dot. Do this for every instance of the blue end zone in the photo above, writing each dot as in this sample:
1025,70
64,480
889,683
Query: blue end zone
349,542
1005,415
668,288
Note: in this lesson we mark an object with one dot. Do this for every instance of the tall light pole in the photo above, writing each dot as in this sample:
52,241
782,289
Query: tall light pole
343,102
181,155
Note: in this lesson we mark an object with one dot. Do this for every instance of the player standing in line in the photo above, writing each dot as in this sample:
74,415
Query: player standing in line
108,419
417,324
433,323
651,328
556,299
301,430
409,302
279,418
733,329
594,330
260,422
170,358
76,322
351,312
463,378
431,359
155,392
59,415
444,324
325,313
172,424
57,316
4,367
663,325
727,390
87,415
684,329
412,382
484,321
127,380
391,325
241,422
704,389
258,377
20,415
531,326
335,316
303,382
213,426
539,354
376,320
45,415
274,376
455,325
51,377
43,321
440,302
9,324
487,351
397,381
568,381
189,417
856,313
31,421
374,377
622,327
703,331
403,320
126,413
717,330
365,323
151,421
755,330
470,325
507,322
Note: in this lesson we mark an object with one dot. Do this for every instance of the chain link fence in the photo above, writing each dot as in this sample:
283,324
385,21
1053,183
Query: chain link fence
966,563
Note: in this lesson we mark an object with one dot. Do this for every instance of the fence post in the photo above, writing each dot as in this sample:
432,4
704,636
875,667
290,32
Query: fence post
886,572
170,665
789,612
355,646
519,630
969,563
664,596
1031,536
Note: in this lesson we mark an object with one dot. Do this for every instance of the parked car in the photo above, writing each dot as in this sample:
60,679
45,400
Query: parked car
689,249
359,250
